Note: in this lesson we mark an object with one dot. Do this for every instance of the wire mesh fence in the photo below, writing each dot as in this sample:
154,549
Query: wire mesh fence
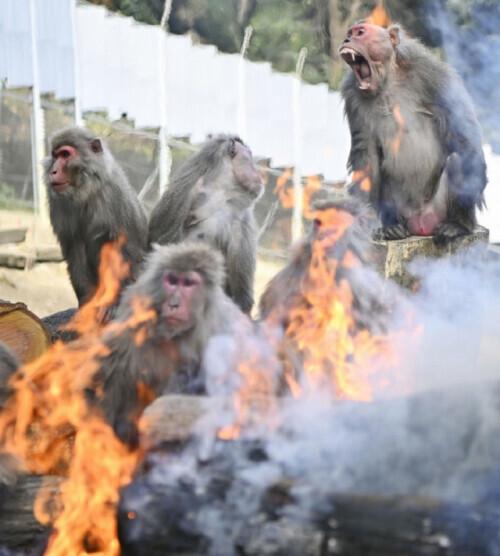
136,150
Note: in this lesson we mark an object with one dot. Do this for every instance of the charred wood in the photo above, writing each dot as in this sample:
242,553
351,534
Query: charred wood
19,529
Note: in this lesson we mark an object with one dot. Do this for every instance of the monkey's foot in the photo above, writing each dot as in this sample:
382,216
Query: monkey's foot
397,231
448,232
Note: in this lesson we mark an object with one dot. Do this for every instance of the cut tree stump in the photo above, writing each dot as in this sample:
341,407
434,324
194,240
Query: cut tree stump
22,331
392,258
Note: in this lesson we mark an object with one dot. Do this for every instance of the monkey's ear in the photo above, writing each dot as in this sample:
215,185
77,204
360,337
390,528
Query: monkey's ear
96,145
394,35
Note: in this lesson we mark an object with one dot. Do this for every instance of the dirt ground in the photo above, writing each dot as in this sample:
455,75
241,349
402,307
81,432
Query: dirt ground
45,288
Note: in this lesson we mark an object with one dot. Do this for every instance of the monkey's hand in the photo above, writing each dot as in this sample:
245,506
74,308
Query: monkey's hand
448,231
388,233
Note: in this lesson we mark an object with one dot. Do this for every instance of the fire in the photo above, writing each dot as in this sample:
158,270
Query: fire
336,351
362,178
284,190
379,16
312,186
400,123
254,402
49,425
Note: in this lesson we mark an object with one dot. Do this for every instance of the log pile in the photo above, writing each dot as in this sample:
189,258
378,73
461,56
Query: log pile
178,517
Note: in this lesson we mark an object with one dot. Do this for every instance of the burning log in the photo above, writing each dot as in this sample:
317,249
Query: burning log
401,486
19,529
394,257
355,525
156,518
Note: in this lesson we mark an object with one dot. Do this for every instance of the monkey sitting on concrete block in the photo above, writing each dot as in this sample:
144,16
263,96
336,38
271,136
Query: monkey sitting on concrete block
415,140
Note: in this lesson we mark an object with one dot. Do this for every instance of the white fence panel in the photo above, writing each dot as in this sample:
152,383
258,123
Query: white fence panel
119,70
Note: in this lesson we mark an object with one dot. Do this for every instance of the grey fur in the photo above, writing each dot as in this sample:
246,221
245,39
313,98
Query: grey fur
206,201
439,162
97,208
8,366
150,363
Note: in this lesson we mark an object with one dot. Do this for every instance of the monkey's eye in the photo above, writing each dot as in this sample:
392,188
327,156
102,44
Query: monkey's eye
360,31
317,223
189,282
64,153
172,279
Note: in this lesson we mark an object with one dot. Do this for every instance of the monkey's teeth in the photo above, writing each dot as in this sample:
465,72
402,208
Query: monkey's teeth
353,56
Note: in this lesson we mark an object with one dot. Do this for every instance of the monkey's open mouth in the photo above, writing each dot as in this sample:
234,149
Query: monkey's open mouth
360,66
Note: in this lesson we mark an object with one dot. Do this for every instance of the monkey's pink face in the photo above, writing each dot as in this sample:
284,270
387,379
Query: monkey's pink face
367,49
59,176
183,296
244,169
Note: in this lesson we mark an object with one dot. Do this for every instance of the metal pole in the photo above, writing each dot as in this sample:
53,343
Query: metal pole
242,85
76,74
164,154
37,128
167,8
297,226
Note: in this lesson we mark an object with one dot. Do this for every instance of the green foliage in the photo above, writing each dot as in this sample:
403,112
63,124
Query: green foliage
282,28
212,21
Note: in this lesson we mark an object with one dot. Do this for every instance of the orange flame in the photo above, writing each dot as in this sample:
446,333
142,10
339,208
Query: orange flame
379,16
362,178
313,185
284,190
255,400
400,123
335,350
49,425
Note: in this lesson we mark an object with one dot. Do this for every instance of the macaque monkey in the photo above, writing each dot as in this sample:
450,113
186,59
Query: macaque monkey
182,289
415,140
211,199
91,203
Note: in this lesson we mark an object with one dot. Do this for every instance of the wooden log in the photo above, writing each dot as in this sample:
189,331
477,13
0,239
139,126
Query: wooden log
434,442
177,521
22,331
170,419
158,517
19,528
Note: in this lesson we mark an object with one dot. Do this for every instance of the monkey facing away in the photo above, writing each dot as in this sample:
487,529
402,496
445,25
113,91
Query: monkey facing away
211,198
182,287
91,203
415,141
